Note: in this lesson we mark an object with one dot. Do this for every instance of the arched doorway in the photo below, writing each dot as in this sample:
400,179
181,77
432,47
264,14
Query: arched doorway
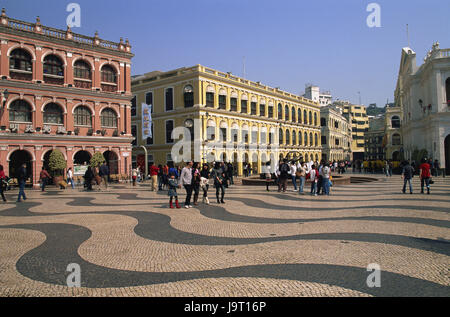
16,160
255,163
112,161
447,154
235,163
82,158
396,156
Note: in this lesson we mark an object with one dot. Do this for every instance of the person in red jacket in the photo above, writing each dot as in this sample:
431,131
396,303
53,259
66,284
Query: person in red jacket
2,182
425,175
44,176
154,175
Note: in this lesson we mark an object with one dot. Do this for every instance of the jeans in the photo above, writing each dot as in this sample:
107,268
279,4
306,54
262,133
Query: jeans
70,180
427,183
2,188
189,189
219,187
21,190
43,183
326,186
294,181
407,180
313,187
320,184
160,182
302,183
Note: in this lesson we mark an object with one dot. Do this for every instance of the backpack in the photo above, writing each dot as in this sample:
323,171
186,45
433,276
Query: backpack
284,169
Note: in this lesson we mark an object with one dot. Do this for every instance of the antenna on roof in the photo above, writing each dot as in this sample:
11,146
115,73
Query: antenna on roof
243,67
407,34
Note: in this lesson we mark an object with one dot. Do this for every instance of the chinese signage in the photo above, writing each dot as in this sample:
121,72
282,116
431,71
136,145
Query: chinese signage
146,121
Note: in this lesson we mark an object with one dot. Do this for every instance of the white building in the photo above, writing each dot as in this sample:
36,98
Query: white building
313,92
336,134
423,93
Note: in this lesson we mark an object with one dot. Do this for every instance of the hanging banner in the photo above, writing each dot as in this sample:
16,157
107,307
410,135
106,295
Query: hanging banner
146,121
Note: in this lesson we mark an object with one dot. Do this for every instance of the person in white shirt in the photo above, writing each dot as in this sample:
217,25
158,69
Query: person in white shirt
293,173
70,177
186,181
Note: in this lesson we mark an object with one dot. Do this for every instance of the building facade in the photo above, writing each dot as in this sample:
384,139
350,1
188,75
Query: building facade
336,134
393,141
423,94
357,117
61,90
313,93
374,139
231,119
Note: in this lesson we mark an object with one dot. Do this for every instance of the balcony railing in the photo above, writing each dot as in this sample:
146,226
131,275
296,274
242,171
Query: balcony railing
82,84
21,75
109,88
54,80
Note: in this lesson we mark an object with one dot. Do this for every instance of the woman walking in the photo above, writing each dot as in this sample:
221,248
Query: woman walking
88,177
313,176
268,175
219,177
196,178
3,183
204,179
70,177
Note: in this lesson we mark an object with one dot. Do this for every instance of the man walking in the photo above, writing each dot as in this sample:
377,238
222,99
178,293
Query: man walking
44,177
407,175
104,174
293,171
284,174
154,170
424,171
22,178
186,180
326,172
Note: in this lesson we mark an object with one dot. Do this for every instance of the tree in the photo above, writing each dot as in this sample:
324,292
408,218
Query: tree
57,163
97,159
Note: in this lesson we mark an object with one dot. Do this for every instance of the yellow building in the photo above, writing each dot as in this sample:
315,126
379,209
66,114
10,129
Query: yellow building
357,117
232,119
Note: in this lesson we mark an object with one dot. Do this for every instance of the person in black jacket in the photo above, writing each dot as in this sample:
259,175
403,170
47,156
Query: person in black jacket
22,178
88,177
104,173
407,175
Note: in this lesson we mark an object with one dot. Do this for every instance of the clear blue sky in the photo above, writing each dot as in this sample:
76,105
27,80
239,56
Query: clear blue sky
286,44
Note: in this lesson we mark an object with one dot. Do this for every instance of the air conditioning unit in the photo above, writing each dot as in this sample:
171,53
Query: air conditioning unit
14,127
29,128
61,130
47,129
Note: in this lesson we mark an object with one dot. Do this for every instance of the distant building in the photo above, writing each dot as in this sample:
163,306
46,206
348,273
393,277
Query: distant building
423,94
393,141
336,134
374,136
312,92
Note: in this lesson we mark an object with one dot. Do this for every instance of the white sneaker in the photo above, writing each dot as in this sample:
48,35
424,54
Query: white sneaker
187,207
190,206
207,200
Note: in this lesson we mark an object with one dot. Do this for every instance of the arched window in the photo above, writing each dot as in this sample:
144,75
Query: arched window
305,117
396,139
53,66
83,116
300,139
82,70
305,139
210,96
316,143
262,110
323,122
188,95
299,115
286,113
310,138
310,118
280,136
82,74
20,65
447,90
20,111
109,74
53,113
270,111
109,118
288,137
315,119
293,114
294,138
169,129
280,111
395,122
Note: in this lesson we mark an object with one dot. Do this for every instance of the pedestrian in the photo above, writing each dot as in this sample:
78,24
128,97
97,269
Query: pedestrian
22,176
407,175
134,175
44,176
173,170
425,175
173,185
437,167
293,172
246,169
219,180
160,177
326,173
313,177
267,174
154,176
301,172
204,182
3,183
165,176
230,173
284,175
70,177
104,174
88,178
196,179
320,179
186,181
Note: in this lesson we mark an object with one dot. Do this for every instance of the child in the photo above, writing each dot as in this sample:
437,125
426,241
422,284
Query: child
173,184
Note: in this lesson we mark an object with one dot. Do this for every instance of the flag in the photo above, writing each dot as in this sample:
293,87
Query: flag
146,121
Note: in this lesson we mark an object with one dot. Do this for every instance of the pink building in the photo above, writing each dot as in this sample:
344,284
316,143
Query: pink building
61,90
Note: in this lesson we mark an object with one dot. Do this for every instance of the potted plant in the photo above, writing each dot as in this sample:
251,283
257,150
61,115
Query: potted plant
57,164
